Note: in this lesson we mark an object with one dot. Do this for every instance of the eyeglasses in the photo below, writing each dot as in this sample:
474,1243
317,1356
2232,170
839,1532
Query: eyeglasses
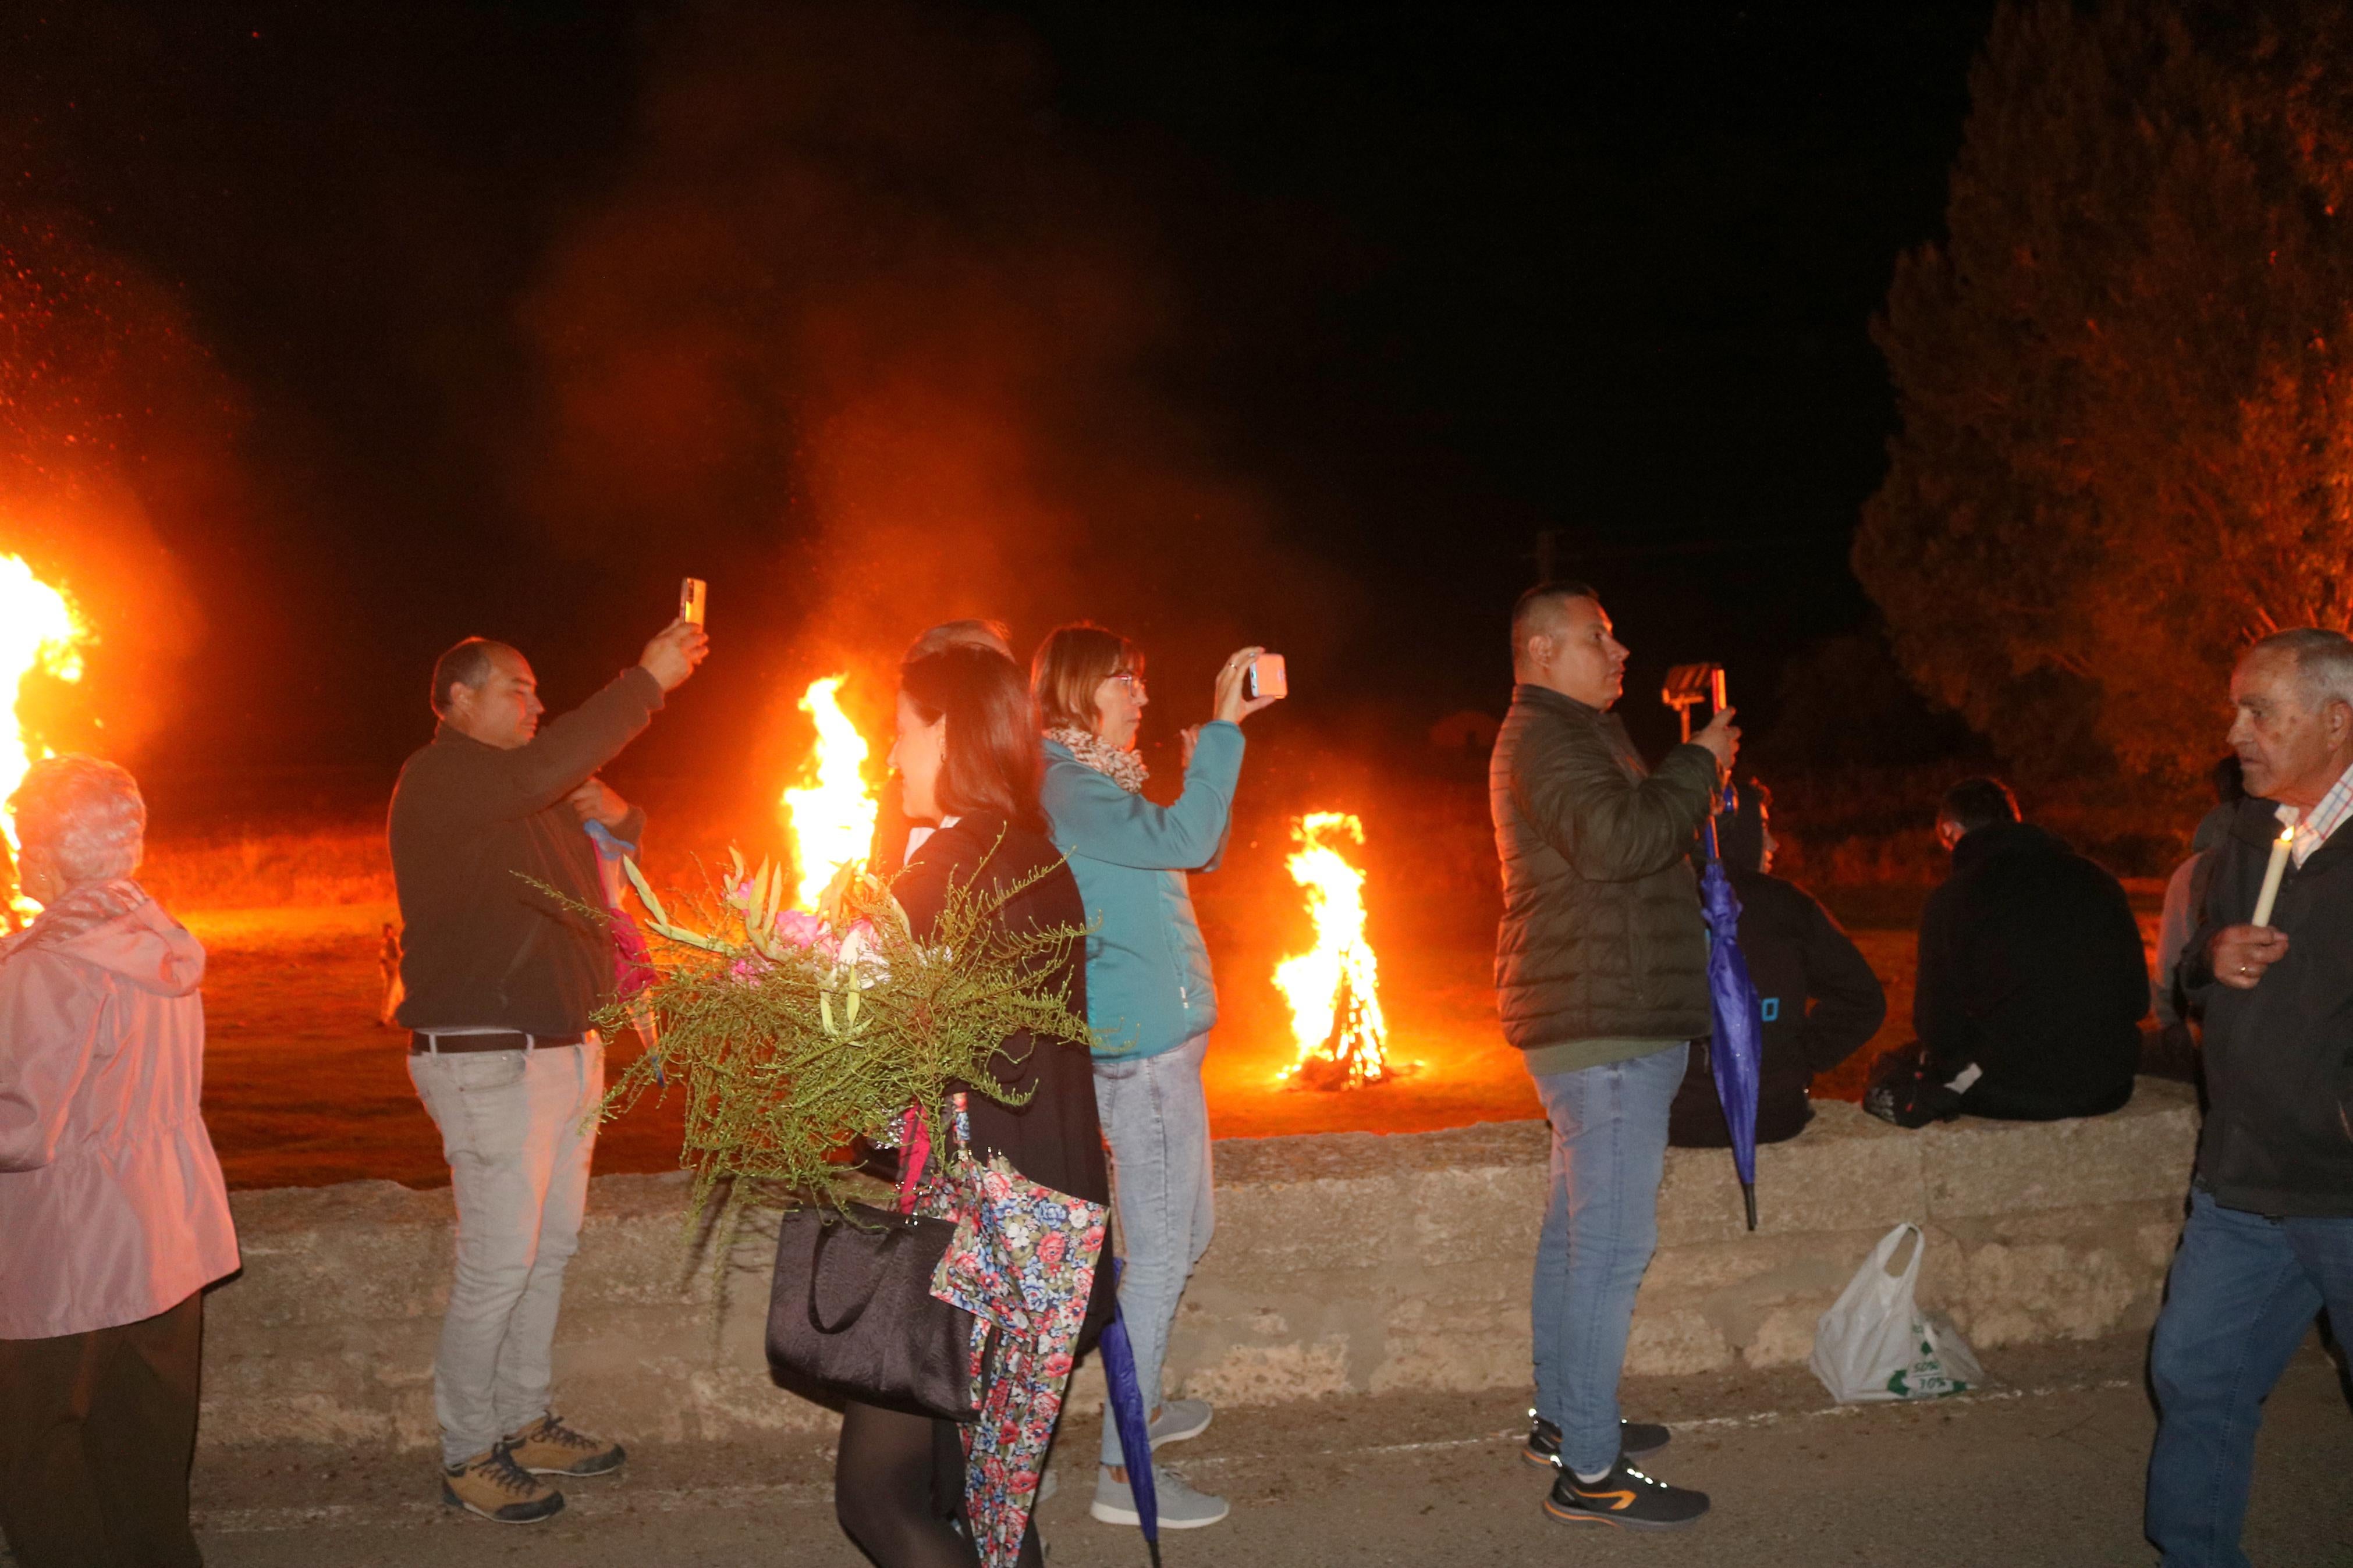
1134,681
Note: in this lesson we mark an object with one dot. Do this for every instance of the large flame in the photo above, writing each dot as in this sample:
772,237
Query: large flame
38,630
1334,987
831,819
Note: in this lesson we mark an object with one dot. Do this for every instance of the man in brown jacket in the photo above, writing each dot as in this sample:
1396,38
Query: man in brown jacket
1601,983
501,980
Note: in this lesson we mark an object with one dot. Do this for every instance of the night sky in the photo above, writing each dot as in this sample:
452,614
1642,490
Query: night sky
1349,302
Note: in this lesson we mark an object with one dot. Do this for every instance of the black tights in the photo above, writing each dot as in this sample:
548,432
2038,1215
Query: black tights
898,1485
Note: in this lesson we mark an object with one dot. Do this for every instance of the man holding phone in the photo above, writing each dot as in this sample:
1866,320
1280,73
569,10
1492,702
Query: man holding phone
501,980
1601,983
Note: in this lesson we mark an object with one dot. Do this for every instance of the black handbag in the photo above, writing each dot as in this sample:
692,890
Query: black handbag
1899,1090
852,1310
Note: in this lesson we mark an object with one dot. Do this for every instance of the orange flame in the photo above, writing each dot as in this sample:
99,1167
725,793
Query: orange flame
38,630
1333,989
832,819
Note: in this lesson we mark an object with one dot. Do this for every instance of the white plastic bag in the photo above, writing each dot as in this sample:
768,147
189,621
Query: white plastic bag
1874,1344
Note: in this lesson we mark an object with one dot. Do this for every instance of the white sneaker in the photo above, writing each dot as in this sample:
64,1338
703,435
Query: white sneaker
1180,1419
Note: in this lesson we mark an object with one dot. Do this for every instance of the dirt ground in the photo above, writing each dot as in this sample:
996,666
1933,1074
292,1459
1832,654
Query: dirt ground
2044,1470
302,1087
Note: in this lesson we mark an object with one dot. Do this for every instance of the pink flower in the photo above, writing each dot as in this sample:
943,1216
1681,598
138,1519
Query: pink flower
805,931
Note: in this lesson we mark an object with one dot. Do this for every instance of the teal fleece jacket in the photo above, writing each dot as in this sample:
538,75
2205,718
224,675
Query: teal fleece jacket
1149,985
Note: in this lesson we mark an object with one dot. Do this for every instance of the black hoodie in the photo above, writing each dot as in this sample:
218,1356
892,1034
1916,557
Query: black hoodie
2031,968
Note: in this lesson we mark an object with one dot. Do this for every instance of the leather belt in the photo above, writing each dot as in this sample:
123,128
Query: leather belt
422,1043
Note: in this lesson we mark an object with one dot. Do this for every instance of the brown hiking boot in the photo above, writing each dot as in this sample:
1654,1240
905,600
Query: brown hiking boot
548,1447
492,1485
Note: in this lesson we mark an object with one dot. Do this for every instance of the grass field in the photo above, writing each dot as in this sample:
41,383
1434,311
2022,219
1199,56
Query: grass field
303,1087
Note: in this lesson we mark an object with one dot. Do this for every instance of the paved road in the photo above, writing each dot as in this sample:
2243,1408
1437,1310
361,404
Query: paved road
2045,1469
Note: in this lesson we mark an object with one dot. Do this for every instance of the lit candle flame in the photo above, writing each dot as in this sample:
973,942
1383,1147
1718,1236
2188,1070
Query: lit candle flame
38,631
1334,988
831,819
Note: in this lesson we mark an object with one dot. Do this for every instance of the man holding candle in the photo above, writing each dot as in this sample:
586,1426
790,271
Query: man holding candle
2269,1240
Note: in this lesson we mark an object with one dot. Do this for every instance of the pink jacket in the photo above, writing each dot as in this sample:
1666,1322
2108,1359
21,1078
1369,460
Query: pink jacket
111,1202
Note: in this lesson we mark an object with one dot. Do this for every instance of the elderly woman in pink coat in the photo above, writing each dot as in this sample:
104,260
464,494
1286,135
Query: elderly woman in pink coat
113,1217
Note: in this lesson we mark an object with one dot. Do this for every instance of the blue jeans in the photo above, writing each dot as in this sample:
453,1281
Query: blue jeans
1609,1156
1156,1120
2241,1292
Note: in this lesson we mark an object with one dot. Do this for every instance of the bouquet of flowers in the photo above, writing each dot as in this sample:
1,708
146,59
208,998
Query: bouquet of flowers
793,1034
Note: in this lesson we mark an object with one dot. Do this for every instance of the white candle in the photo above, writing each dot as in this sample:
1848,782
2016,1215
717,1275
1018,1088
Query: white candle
2273,873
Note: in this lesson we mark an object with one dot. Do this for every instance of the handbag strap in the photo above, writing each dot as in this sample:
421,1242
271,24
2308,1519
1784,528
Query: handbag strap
816,1271
922,1167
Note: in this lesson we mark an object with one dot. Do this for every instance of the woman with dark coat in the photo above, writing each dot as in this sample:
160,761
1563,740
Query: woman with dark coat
968,760
1821,1001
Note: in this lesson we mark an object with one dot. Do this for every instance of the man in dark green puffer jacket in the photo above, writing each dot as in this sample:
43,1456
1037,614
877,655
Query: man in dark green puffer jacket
1601,981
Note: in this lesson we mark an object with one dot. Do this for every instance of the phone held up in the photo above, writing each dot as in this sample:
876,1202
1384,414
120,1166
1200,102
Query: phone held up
692,594
1267,678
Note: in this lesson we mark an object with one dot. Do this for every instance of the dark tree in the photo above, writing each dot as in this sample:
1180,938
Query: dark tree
2126,427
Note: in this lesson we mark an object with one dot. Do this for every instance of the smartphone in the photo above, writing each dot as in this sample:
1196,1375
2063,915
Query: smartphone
1266,677
690,596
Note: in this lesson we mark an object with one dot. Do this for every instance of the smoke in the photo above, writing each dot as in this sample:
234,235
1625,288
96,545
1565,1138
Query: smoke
858,314
113,428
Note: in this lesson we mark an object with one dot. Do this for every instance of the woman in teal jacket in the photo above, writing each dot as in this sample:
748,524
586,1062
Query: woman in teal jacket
1149,994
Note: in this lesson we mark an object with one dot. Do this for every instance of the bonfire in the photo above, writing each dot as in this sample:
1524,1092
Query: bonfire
831,819
38,631
1334,988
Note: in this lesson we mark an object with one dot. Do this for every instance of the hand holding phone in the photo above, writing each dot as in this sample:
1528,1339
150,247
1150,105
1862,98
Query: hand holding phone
1233,703
676,649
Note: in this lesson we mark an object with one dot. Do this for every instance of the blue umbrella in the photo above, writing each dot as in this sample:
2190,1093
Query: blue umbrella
1134,1430
1740,1043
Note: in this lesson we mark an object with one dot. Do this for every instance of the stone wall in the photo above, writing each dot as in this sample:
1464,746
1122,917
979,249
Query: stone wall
1348,1262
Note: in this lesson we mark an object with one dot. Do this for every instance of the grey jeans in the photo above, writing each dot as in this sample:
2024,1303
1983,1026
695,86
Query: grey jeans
1156,1120
515,1127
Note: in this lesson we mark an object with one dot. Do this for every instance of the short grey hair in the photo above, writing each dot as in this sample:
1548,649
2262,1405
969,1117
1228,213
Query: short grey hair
991,635
2324,662
87,813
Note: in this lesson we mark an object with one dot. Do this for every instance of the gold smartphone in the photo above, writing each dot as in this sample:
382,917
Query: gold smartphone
690,596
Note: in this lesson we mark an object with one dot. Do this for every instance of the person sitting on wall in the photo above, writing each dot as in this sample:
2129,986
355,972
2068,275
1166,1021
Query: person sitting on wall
1821,1003
2033,982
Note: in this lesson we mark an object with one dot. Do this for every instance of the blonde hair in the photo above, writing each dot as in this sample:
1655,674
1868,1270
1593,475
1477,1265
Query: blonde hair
1070,664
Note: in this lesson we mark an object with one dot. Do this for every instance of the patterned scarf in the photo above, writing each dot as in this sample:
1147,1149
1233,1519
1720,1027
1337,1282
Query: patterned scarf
1124,768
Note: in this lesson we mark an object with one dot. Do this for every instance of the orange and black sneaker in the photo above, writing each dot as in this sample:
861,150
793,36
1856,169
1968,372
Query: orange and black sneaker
1626,1497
